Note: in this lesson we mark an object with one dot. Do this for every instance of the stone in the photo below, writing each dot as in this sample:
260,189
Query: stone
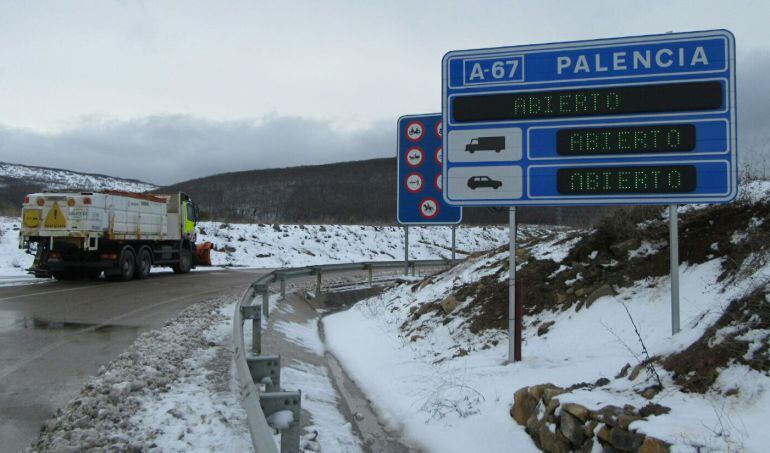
572,428
524,405
601,382
449,304
604,433
537,390
580,292
543,328
635,372
532,428
653,409
552,442
550,410
625,440
650,392
601,291
570,290
561,298
587,447
607,415
623,371
576,410
621,249
653,445
625,420
590,427
551,392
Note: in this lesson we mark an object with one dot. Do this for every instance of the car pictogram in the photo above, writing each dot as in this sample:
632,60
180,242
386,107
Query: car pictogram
476,182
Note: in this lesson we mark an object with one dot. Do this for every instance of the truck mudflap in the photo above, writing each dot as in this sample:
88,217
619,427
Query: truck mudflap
203,254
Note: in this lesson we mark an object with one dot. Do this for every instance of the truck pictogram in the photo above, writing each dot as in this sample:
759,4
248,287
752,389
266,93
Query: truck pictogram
495,144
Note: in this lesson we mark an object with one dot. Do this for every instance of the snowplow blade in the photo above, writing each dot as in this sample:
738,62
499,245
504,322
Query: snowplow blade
203,254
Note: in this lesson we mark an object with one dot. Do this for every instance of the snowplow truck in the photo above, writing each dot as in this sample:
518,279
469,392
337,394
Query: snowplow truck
123,234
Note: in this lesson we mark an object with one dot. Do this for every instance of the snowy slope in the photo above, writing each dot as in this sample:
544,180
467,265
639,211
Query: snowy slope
447,386
53,179
303,245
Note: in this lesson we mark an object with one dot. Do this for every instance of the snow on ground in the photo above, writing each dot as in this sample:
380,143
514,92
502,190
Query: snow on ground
13,261
265,246
172,390
452,391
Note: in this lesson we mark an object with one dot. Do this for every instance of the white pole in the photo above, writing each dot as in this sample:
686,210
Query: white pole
673,240
406,250
511,284
454,229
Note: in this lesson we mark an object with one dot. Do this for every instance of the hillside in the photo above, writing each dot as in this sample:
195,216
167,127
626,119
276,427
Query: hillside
601,370
346,192
18,180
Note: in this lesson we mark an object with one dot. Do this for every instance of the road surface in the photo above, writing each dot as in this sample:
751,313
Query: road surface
55,335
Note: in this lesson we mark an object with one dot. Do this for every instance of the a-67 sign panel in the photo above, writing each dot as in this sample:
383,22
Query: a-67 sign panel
419,179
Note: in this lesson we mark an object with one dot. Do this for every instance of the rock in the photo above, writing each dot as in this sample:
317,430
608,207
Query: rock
572,428
551,392
604,433
537,390
603,290
621,249
561,298
580,292
570,290
650,392
607,415
524,405
533,428
601,382
552,442
635,372
590,427
543,329
587,447
550,410
625,440
450,303
581,412
653,445
625,420
623,371
654,409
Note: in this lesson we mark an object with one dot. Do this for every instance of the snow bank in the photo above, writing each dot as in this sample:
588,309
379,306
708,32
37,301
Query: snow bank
172,390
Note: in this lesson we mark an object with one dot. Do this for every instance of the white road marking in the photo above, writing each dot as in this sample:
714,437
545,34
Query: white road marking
49,292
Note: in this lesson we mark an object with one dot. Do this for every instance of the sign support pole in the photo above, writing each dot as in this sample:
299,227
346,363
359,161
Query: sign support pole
454,230
673,241
406,250
512,326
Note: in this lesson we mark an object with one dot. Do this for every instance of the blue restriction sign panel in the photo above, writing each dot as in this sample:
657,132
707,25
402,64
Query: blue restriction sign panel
637,120
419,173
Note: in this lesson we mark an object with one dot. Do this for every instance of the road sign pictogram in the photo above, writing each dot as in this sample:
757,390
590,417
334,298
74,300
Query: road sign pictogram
429,208
415,131
414,182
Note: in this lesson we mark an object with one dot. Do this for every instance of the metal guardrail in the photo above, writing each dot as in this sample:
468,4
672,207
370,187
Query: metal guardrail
253,368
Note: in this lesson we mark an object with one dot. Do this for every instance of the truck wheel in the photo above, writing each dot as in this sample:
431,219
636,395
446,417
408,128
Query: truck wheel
143,264
126,265
185,262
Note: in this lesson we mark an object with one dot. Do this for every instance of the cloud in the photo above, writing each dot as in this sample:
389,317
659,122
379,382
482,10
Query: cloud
169,148
172,148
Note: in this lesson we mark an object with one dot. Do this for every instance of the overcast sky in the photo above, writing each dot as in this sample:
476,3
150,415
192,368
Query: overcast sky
165,91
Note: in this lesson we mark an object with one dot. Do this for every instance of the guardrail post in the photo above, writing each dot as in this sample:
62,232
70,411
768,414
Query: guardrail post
371,277
318,272
283,287
253,312
414,266
265,291
266,370
274,402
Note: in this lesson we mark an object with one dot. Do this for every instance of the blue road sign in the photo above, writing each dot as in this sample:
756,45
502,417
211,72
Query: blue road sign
637,120
419,200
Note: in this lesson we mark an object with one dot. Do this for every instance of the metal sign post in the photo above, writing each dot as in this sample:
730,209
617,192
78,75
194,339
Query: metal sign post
673,241
454,230
512,328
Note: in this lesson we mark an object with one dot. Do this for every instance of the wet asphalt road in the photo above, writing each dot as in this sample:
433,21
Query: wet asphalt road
54,335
